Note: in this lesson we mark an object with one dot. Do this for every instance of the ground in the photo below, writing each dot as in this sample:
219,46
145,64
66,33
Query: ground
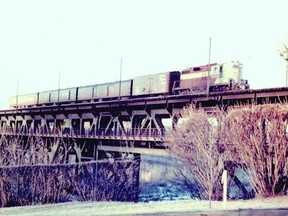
161,207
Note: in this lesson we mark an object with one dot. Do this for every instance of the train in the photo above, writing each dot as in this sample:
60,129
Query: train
192,80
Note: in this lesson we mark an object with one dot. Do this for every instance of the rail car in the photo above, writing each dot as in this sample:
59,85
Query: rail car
104,91
218,77
155,84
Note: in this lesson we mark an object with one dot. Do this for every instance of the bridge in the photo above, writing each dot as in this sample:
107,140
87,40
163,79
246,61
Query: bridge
127,124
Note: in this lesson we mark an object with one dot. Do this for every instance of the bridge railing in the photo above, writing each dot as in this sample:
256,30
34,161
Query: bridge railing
135,133
101,133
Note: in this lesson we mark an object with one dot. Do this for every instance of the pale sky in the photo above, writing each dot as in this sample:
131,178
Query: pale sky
84,40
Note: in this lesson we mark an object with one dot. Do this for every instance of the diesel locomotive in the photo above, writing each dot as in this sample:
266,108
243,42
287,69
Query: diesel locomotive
193,80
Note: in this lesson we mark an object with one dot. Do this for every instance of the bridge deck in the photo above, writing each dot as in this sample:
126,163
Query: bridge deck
137,121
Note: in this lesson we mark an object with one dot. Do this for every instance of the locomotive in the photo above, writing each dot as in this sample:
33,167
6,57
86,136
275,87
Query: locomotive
218,77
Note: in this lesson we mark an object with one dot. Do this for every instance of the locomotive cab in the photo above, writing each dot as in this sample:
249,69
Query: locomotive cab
231,73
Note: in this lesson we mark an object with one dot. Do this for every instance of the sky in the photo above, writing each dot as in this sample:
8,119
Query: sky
82,42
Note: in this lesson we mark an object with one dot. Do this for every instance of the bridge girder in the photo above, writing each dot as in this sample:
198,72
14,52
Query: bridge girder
135,122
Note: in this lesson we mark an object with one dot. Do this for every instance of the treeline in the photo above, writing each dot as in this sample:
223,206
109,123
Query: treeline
253,138
31,173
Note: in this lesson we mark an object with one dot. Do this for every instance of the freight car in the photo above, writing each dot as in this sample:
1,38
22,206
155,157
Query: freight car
222,77
104,91
161,83
55,96
67,95
24,100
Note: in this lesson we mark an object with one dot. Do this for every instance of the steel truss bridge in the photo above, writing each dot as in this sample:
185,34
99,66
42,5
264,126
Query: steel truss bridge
124,125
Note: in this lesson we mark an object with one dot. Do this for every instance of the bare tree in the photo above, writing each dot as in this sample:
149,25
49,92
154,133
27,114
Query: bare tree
284,54
196,142
256,137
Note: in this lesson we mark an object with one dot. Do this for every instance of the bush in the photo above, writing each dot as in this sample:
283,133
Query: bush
256,138
33,171
196,142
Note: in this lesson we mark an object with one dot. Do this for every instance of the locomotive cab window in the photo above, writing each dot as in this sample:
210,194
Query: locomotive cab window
221,71
50,97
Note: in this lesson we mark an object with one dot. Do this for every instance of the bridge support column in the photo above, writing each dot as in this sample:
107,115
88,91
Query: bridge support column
31,127
43,124
24,126
136,177
175,120
94,126
66,127
3,122
75,126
